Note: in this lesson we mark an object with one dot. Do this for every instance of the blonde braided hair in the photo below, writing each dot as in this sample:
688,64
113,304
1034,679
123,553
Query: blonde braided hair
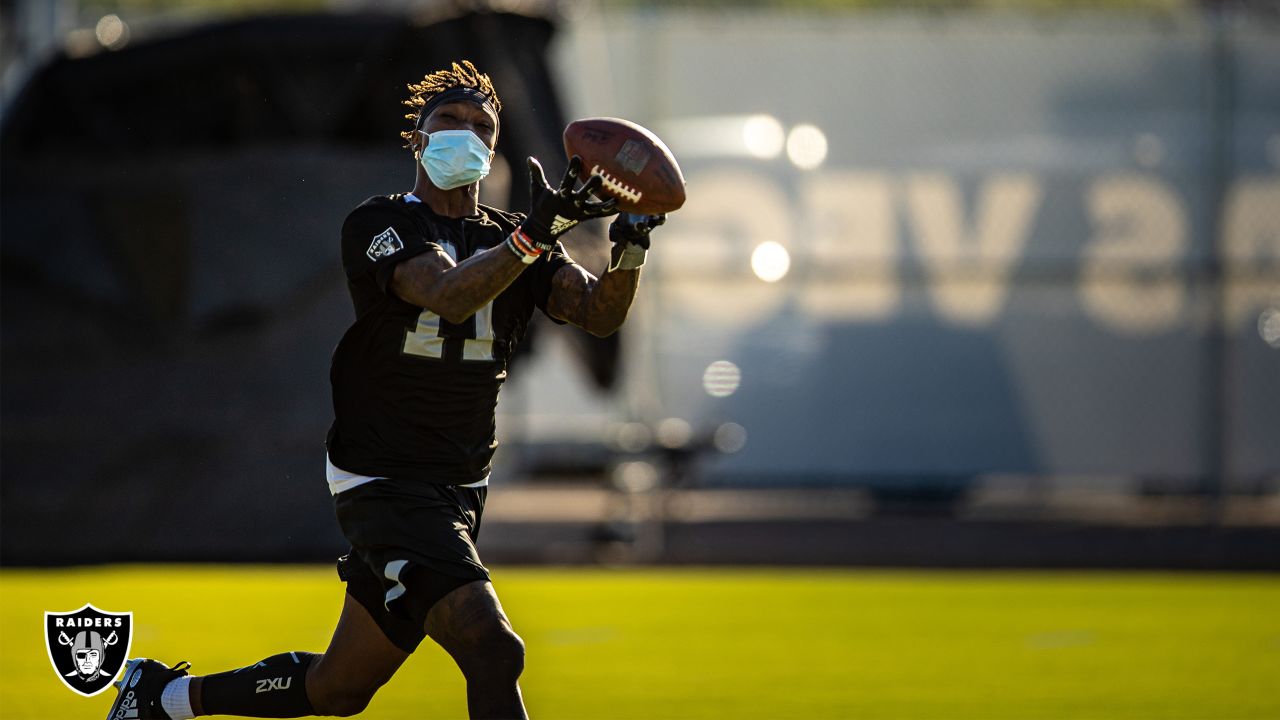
464,75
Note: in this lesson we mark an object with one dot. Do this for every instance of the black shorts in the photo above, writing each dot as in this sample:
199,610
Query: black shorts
412,543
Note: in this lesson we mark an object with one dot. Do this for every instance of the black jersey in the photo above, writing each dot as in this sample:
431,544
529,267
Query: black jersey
414,395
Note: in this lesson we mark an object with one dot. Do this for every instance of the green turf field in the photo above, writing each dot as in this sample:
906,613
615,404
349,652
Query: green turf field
700,643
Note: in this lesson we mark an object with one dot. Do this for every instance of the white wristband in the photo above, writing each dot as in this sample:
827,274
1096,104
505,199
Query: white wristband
626,256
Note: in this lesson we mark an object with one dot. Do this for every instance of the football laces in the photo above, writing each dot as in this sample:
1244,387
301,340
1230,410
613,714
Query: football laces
616,187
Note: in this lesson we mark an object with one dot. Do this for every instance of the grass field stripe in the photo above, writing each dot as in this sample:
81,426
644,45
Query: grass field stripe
900,644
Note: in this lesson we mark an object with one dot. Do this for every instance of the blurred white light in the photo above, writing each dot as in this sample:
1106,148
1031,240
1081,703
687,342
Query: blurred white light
674,433
770,261
1269,327
729,438
635,477
1148,150
112,32
806,146
633,437
763,136
721,379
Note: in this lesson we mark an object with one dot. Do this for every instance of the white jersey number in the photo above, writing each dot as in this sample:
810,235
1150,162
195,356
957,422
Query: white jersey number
426,341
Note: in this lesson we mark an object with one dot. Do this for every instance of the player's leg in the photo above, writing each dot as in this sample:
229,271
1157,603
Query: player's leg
418,542
359,660
470,625
342,681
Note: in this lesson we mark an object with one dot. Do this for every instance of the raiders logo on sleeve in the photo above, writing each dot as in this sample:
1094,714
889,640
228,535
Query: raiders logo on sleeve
386,244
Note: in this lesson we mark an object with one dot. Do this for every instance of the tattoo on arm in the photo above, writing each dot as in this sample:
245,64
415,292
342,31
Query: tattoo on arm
597,305
455,291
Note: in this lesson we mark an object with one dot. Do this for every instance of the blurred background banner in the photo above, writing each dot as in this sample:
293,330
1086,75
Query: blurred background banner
969,244
993,263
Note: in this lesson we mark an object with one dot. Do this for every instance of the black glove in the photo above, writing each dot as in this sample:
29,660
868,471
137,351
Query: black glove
553,212
634,229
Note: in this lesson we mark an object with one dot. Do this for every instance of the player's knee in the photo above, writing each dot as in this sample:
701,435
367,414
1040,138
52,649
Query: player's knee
339,695
343,702
496,656
509,651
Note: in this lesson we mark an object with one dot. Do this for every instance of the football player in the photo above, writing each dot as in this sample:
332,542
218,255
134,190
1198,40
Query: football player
443,289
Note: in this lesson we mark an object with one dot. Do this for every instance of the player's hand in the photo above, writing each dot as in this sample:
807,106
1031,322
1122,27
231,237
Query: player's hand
630,235
553,212
633,229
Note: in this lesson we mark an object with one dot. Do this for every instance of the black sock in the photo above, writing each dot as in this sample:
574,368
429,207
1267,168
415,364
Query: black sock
273,688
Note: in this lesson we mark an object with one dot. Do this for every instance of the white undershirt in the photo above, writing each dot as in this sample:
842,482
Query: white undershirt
340,480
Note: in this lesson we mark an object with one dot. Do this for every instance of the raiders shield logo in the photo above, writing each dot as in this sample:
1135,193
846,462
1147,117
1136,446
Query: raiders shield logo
88,647
386,244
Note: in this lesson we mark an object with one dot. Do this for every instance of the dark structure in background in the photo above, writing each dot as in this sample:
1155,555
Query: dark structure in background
172,292
172,288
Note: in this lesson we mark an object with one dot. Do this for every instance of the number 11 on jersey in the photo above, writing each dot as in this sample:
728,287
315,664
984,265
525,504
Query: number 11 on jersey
426,340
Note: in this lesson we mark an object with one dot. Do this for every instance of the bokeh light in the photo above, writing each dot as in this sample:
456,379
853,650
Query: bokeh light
1269,326
770,261
763,136
721,379
674,433
729,438
633,437
635,476
112,32
806,146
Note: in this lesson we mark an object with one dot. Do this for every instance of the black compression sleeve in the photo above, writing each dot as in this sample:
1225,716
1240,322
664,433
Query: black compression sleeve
273,688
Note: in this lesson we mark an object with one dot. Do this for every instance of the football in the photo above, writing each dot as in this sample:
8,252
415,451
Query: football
636,166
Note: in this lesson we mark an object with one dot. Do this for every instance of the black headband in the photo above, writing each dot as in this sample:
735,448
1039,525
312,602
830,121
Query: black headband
454,94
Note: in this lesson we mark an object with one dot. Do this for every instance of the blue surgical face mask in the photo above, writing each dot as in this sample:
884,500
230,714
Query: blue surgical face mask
454,158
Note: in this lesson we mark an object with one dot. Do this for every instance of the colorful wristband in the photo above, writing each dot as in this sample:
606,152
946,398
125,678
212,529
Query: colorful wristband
523,247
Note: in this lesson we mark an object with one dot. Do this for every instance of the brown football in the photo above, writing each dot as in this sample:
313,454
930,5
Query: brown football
637,167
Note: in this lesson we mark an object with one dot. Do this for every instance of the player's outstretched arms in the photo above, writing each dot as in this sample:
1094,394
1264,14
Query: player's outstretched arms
455,291
600,305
